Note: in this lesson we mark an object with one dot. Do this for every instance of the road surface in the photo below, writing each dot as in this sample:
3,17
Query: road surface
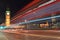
29,36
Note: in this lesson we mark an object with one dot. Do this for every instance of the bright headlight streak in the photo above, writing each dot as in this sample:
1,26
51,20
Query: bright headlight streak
47,3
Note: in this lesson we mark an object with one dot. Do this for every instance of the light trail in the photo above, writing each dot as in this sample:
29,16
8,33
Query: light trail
43,36
47,3
40,19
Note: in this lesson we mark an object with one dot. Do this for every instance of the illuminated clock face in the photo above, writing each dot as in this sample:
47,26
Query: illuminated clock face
8,13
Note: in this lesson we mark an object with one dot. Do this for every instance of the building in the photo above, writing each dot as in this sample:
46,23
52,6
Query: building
7,21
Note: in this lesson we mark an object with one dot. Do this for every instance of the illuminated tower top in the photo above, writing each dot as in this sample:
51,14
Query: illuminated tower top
7,11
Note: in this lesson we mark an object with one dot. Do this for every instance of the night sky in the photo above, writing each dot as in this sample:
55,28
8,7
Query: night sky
14,5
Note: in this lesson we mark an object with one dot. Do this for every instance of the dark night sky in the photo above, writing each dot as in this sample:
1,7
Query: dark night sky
14,5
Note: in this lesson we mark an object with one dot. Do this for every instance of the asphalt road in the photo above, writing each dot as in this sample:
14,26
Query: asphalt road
27,36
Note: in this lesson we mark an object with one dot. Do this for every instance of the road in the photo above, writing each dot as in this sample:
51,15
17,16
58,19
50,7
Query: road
31,35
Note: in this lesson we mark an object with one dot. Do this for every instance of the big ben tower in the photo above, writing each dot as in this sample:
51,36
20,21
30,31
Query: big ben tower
7,22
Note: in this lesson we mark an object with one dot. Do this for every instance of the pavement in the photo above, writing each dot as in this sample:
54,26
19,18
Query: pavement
2,36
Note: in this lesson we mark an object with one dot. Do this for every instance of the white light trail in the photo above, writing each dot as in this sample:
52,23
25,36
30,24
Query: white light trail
40,19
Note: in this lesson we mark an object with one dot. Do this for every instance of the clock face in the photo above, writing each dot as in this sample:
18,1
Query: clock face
7,12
